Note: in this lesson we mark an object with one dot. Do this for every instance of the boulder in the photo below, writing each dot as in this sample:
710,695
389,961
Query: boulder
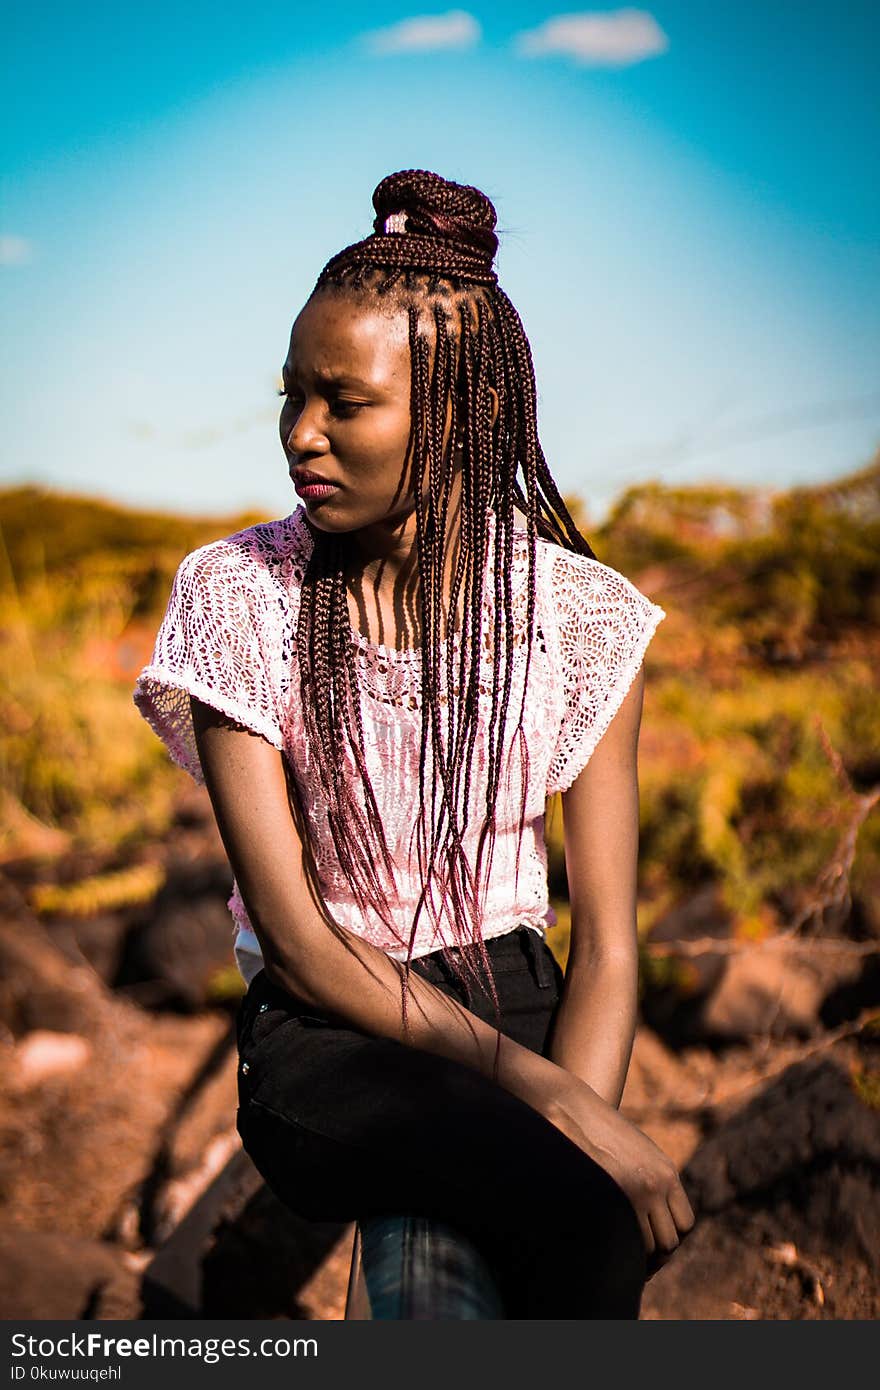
44,1275
787,1197
42,1056
675,987
40,988
184,940
758,989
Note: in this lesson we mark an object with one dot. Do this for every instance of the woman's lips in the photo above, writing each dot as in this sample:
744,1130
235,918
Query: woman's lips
312,492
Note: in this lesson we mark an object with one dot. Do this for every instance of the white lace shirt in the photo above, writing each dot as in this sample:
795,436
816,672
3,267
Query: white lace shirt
228,638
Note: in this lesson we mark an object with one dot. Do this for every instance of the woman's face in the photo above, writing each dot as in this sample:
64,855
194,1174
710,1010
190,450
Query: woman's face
346,414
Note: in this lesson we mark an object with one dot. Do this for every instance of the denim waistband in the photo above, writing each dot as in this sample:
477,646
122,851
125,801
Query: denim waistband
522,936
519,940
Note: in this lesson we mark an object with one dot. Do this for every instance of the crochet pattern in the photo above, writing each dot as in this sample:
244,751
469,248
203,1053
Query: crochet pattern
227,638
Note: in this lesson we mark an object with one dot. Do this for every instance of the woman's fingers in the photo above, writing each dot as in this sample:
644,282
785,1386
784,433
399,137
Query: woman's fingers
669,1221
663,1229
681,1210
647,1232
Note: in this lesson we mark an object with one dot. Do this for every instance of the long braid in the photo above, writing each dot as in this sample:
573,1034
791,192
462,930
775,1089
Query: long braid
431,255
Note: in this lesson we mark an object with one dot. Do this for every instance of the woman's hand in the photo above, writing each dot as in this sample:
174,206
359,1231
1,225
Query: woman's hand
645,1173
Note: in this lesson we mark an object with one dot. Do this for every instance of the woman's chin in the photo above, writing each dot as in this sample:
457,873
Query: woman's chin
327,515
338,519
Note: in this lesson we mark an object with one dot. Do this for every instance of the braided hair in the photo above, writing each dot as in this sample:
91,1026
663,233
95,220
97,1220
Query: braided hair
430,256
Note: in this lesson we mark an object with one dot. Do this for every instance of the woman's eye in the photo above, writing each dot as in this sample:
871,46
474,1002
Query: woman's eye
338,407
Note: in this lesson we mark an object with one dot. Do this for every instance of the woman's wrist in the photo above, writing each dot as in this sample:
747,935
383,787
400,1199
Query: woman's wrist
542,1083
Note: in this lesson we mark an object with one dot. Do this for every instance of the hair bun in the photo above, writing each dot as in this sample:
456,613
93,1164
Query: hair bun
434,206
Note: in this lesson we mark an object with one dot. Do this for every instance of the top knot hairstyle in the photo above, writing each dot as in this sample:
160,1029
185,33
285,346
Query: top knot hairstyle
431,256
425,223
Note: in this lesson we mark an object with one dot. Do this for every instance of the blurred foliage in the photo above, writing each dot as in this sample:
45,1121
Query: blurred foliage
46,533
770,647
82,587
788,570
225,985
100,893
70,754
736,786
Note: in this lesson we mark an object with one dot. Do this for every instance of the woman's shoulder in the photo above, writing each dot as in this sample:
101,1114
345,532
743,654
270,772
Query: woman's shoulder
265,552
583,579
558,571
592,611
563,570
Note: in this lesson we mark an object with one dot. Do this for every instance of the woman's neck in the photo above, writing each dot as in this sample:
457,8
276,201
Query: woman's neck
384,583
388,548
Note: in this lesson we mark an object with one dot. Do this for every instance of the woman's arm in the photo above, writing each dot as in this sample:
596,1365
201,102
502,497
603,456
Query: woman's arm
595,1023
596,1019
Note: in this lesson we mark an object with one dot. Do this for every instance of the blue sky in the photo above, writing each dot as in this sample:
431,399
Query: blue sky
687,197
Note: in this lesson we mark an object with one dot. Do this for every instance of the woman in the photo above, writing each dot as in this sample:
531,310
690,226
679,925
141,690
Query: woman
379,692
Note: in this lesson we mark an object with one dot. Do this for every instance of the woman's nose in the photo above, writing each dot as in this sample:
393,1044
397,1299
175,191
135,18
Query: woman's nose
306,435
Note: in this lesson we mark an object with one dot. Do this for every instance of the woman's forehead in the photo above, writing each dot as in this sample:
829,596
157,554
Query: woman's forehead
343,336
349,316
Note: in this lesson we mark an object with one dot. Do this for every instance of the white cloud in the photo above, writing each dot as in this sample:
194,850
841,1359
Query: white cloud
607,39
422,33
15,250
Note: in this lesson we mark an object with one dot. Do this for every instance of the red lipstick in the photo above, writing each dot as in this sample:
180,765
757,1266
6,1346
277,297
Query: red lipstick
311,485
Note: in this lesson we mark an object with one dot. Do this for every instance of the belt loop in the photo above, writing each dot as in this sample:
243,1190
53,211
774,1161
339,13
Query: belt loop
543,973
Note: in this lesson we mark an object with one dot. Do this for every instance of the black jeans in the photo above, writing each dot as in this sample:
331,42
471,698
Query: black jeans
343,1124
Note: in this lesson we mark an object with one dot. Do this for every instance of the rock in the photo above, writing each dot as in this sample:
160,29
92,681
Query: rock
659,1077
240,1253
98,940
756,990
866,905
268,1261
39,988
185,939
44,1275
849,997
673,1007
764,993
809,1118
729,1269
209,1113
180,1195
79,1149
659,1084
787,1197
43,1055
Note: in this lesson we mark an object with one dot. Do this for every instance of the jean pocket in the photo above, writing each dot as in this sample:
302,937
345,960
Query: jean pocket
266,1018
271,1015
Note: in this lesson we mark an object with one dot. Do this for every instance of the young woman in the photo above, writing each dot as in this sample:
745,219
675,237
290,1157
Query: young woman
379,692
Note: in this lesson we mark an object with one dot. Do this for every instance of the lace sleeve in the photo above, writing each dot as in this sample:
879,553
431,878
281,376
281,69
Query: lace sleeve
217,642
603,627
